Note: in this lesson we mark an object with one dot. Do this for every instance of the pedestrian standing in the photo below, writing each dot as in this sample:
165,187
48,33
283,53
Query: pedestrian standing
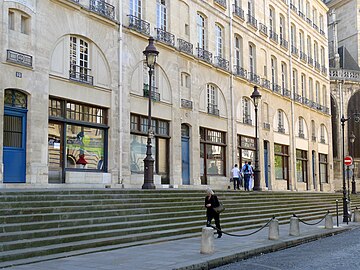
236,176
247,172
212,201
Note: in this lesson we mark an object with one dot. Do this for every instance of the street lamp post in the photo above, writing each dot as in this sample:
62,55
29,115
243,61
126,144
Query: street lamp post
352,140
256,96
150,54
345,208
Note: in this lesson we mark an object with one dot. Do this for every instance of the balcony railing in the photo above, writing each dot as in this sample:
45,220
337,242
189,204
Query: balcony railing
139,25
281,129
265,83
301,14
286,92
266,125
80,74
252,21
322,139
284,43
324,70
221,62
293,7
322,32
294,50
204,55
212,109
102,8
187,104
247,120
253,77
165,37
263,29
344,75
239,71
154,94
317,65
274,36
185,46
315,27
221,3
310,61
239,12
309,21
326,110
276,88
301,135
313,138
298,98
303,56
19,58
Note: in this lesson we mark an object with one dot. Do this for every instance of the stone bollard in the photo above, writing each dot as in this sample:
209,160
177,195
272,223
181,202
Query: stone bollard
356,215
274,229
294,226
207,240
329,221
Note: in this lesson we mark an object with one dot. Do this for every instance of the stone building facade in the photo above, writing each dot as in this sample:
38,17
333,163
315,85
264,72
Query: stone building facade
75,91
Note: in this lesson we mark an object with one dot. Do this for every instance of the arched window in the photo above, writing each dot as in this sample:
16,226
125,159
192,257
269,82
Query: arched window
238,51
219,40
301,127
212,99
246,111
201,31
15,98
280,120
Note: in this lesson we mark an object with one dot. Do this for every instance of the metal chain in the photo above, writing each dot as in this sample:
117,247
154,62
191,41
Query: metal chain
311,224
242,235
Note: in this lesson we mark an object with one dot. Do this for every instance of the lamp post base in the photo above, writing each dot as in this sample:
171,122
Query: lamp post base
148,186
353,187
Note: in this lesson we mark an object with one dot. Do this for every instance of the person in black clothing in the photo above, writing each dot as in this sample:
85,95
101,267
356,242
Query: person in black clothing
212,201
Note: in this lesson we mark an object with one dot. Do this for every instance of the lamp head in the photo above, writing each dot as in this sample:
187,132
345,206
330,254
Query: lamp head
352,137
151,53
256,96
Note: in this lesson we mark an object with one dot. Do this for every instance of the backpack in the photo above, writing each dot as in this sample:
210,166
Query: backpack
246,170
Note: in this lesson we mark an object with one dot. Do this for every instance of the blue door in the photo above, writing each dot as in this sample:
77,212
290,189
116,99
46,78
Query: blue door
313,161
185,156
14,145
266,163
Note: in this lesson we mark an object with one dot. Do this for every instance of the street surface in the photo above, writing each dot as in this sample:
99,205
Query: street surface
337,252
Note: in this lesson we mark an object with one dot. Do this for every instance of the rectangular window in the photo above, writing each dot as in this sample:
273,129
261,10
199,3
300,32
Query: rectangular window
301,165
246,149
135,8
161,15
281,161
11,20
25,27
160,145
323,163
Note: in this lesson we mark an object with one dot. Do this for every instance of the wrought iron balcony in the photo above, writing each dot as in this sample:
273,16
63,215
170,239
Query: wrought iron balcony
221,3
301,14
324,70
154,94
281,129
293,7
247,120
139,25
284,43
265,83
274,36
19,58
239,71
266,125
80,74
309,21
303,56
263,29
185,46
276,88
252,21
322,32
166,37
286,92
298,98
313,138
345,75
187,104
326,110
102,8
317,65
204,55
294,50
212,109
238,12
310,61
221,62
315,27
253,77
322,139
301,134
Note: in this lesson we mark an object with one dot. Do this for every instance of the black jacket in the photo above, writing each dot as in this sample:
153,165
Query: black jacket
213,201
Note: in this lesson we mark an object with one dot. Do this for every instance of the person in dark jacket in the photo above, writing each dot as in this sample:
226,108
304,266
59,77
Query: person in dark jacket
212,201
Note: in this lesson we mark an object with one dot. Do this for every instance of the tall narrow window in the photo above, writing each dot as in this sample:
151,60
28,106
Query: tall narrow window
273,72
200,25
250,8
25,24
324,96
252,67
301,127
280,116
11,20
281,161
161,14
301,41
271,19
246,111
295,81
308,9
317,92
301,6
303,85
323,168
301,165
321,21
283,76
316,52
311,90
79,60
293,35
135,8
219,40
212,99
309,46
282,32
315,21
238,54
322,56
313,132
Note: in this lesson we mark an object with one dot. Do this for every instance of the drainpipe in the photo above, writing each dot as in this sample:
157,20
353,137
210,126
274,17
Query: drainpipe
120,89
232,98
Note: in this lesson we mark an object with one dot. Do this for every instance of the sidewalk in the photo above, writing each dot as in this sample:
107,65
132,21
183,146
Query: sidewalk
185,254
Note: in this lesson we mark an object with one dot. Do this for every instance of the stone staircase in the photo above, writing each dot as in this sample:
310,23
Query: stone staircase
44,224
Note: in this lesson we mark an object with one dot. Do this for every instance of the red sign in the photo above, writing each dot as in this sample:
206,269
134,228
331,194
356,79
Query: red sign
348,161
